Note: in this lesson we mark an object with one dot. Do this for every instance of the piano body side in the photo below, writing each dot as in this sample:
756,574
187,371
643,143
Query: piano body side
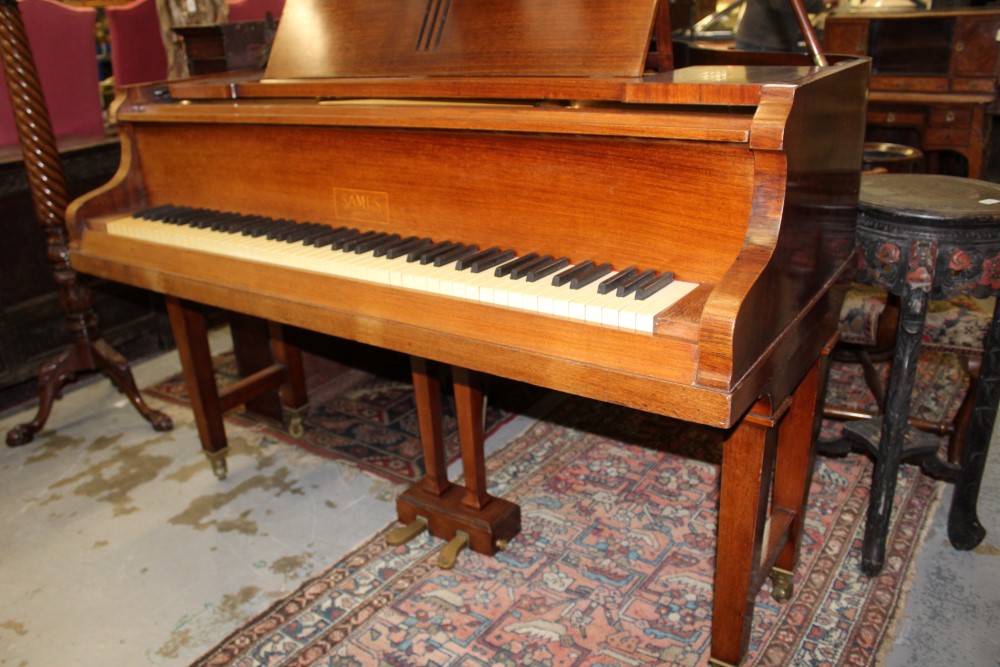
721,211
781,297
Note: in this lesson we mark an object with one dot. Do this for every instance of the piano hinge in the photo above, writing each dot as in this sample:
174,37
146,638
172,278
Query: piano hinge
433,26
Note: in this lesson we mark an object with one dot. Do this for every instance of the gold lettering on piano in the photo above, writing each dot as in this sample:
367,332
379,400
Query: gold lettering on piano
361,205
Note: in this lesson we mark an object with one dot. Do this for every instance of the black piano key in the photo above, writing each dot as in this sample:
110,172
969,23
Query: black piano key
278,229
402,249
315,231
303,230
154,213
256,226
331,237
620,278
634,283
204,219
428,255
176,216
373,242
561,279
446,258
538,272
226,221
323,238
338,243
655,285
485,264
507,268
383,247
466,262
350,244
592,274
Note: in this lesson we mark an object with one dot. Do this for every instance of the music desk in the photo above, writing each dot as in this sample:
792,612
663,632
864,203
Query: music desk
923,236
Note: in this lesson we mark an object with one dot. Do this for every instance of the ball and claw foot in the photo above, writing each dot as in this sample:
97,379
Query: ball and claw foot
21,434
781,585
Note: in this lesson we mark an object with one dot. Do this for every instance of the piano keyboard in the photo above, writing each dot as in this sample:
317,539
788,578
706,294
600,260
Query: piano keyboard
590,292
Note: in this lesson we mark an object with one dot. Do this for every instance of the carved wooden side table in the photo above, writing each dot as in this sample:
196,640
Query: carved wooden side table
924,236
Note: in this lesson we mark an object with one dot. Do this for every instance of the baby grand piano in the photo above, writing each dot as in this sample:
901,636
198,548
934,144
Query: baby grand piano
520,189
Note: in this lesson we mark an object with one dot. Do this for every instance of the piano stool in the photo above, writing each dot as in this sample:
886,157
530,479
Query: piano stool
924,237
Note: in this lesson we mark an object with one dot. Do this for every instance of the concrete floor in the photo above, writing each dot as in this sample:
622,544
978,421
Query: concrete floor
119,546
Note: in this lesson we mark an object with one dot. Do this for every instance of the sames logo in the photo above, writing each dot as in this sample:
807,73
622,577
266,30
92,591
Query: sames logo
361,205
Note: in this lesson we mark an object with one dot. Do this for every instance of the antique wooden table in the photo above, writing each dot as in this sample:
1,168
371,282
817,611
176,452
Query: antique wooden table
923,236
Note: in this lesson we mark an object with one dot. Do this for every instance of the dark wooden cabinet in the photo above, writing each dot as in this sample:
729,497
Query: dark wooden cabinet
934,78
32,323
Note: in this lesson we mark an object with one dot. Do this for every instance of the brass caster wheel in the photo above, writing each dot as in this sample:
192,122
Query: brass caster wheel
781,585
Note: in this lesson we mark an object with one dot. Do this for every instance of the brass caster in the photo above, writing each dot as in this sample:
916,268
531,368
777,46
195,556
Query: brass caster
404,534
218,461
296,420
501,545
781,585
449,554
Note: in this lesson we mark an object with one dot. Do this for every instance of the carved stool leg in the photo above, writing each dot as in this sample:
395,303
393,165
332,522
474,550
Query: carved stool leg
964,529
894,425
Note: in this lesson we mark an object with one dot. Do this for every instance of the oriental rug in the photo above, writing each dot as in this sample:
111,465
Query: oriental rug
613,566
368,419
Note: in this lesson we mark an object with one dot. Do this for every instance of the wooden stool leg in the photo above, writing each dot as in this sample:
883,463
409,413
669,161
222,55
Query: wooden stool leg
191,335
894,424
964,528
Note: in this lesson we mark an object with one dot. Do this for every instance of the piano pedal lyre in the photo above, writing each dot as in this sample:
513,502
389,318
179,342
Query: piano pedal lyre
404,534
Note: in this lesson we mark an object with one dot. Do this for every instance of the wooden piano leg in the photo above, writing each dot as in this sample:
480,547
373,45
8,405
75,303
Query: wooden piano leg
260,345
191,336
755,453
294,393
793,470
454,510
254,344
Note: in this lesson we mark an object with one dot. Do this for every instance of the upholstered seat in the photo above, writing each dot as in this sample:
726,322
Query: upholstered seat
137,51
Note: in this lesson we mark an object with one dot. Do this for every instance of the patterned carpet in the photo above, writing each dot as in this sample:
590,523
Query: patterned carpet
613,566
367,419
614,563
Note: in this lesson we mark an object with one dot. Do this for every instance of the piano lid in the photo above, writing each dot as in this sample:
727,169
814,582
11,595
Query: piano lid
395,38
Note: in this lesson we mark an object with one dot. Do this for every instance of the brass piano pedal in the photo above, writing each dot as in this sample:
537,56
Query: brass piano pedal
449,554
404,534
